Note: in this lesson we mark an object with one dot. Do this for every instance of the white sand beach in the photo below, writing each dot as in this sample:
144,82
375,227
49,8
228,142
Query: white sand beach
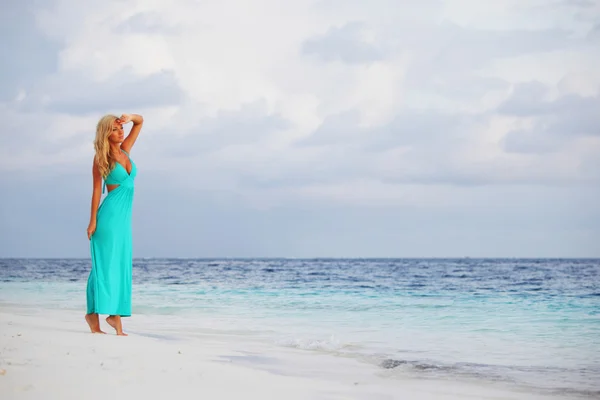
51,355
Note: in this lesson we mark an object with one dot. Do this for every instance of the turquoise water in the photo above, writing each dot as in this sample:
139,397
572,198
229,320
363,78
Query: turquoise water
528,323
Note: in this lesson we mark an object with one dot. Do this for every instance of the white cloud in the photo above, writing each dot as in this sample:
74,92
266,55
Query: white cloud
323,94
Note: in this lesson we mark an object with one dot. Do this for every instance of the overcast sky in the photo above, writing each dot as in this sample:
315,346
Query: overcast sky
308,128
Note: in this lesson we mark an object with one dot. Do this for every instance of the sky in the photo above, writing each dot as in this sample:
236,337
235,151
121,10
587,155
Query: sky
308,128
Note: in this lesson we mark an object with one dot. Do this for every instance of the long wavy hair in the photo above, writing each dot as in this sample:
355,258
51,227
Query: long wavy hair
103,130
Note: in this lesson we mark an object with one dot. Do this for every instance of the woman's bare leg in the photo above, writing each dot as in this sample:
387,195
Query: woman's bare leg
115,322
93,322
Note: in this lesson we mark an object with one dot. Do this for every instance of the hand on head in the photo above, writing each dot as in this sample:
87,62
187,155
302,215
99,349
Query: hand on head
124,118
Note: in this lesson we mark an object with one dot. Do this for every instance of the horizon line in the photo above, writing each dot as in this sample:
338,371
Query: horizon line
319,257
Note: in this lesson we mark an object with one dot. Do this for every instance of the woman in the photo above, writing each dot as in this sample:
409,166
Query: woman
109,231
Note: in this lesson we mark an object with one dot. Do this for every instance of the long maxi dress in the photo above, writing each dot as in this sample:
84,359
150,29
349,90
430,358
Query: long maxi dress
109,282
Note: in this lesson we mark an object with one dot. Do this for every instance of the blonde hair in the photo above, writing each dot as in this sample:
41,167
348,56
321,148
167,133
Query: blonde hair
102,146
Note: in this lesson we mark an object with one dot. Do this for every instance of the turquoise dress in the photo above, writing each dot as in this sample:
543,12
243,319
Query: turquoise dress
109,282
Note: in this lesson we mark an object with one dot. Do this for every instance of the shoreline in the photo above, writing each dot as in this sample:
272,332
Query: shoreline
51,354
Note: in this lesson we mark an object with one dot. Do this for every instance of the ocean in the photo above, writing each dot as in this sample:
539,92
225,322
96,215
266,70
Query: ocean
527,323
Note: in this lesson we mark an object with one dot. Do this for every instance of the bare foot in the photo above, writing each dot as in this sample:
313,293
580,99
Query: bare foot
93,322
115,322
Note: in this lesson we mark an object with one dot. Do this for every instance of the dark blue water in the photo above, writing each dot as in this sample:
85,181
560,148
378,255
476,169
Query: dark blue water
527,322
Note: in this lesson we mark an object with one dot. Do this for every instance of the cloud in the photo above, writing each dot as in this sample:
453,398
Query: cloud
594,33
434,48
527,99
556,122
418,129
75,93
448,59
388,11
458,46
530,141
344,44
251,125
409,128
342,128
147,23
39,142
27,52
579,3
318,106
